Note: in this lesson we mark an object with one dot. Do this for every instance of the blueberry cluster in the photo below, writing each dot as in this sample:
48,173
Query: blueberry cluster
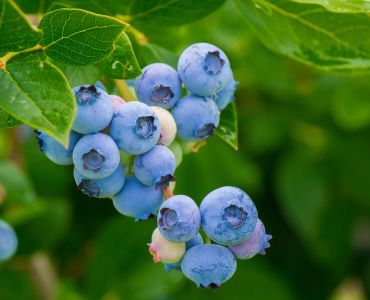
127,151
227,216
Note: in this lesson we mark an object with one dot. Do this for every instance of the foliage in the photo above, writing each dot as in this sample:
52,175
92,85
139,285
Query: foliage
303,143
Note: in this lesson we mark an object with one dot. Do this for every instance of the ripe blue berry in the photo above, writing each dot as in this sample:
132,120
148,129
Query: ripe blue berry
196,117
138,200
55,151
135,128
101,188
255,244
8,241
204,69
195,241
178,218
94,109
208,265
167,124
229,216
155,167
226,95
159,85
96,156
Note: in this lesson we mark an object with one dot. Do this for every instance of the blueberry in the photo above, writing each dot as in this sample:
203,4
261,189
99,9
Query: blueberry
94,109
164,250
117,102
204,69
96,156
179,218
195,241
229,216
135,128
208,265
196,117
155,167
167,124
226,95
8,241
138,200
55,151
100,85
101,188
159,85
255,244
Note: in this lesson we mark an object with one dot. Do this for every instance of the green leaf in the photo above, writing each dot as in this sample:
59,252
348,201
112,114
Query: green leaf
227,130
7,120
151,53
122,63
79,75
171,12
311,34
352,6
18,188
34,6
77,37
35,92
16,33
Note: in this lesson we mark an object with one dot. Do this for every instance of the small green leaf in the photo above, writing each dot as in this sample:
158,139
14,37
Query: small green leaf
122,63
311,34
151,53
227,130
7,120
171,12
79,75
35,92
352,6
77,37
16,33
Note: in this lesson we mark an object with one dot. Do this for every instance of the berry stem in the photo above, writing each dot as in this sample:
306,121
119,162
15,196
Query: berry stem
167,193
124,90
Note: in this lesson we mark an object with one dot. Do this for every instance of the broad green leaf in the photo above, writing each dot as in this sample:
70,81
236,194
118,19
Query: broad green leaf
122,62
227,130
77,37
34,6
171,12
7,120
35,92
151,53
352,6
311,34
16,33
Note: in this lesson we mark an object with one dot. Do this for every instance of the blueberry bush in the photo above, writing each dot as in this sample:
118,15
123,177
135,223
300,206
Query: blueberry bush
133,100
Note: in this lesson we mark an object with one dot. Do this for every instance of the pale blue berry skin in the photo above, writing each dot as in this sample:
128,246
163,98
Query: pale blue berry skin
101,188
96,156
155,167
208,265
94,109
135,128
196,117
159,85
8,241
178,218
229,216
255,244
137,200
55,151
195,241
204,69
225,96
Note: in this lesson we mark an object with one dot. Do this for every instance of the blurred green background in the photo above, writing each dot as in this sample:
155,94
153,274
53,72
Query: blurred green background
303,157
